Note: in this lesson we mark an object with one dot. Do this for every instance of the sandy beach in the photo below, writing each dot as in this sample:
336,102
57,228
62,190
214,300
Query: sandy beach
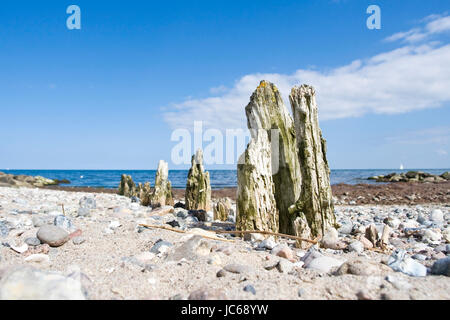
112,257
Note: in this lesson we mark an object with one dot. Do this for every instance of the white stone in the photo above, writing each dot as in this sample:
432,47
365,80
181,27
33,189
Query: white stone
38,258
324,264
114,224
20,249
437,215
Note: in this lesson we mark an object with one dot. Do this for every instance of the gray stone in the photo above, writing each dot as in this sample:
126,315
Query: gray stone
237,268
250,288
4,230
187,250
362,267
441,267
356,246
32,241
84,212
78,240
221,273
87,202
207,294
52,235
161,246
64,223
419,257
27,283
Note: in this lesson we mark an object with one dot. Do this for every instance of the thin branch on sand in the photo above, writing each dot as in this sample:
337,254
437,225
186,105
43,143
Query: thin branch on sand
182,231
269,233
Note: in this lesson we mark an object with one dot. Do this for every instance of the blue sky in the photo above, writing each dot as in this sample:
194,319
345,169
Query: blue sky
108,96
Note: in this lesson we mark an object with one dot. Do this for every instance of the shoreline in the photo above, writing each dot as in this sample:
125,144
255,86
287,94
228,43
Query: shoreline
387,193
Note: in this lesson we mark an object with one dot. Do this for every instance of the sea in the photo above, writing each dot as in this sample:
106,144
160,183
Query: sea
219,178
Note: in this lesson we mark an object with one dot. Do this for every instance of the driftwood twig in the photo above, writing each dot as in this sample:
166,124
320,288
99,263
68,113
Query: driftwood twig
182,231
269,233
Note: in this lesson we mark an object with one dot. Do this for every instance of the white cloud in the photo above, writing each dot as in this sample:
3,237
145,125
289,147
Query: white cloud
436,24
412,77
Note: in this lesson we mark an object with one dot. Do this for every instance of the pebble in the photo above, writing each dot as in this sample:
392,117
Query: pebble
37,258
64,223
301,292
237,268
32,241
78,240
283,251
250,288
356,246
363,295
207,294
20,249
52,235
27,283
323,264
330,239
362,267
4,230
285,266
268,243
441,267
215,260
437,215
221,273
400,262
161,246
87,202
114,225
419,257
84,212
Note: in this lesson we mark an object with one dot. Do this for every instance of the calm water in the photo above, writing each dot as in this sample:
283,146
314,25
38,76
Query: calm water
219,178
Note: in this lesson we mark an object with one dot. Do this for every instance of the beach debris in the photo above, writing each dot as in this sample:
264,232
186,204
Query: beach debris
20,249
411,176
32,241
27,283
4,230
198,187
441,267
162,192
250,288
64,223
52,235
256,206
267,111
205,293
315,205
88,202
127,187
362,267
37,258
222,209
372,235
399,261
144,194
